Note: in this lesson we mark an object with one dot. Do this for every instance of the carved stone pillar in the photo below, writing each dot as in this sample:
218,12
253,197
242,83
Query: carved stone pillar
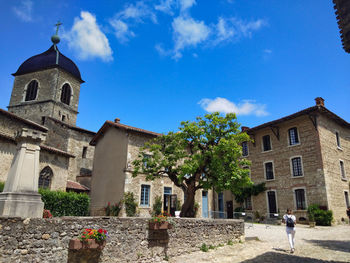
20,196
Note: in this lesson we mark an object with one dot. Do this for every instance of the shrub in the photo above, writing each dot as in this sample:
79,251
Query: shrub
204,247
130,204
230,243
157,206
320,216
113,210
2,185
323,218
178,205
65,203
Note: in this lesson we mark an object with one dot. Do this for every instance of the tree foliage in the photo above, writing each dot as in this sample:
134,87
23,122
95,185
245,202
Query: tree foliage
242,193
204,154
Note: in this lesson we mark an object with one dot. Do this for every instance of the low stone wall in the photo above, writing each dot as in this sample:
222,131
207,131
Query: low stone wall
46,240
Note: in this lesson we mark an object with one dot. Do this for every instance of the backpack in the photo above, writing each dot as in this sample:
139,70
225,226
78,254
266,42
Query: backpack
290,222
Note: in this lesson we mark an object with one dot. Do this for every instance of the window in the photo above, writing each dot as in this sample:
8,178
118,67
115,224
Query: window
266,143
248,203
300,199
84,152
145,193
338,139
32,90
245,151
146,159
43,120
297,169
45,177
66,94
342,170
347,199
293,136
269,171
63,117
247,168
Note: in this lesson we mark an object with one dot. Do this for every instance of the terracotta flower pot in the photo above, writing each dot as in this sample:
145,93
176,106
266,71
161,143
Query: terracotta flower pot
76,244
162,225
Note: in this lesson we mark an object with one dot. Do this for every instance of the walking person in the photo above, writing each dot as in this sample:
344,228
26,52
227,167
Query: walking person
290,221
348,213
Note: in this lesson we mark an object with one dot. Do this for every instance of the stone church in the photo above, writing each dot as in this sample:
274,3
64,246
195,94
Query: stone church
45,97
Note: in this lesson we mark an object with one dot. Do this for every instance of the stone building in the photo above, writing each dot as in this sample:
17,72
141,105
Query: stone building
116,146
304,159
45,95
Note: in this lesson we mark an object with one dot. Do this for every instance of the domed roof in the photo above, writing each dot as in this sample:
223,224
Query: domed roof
47,60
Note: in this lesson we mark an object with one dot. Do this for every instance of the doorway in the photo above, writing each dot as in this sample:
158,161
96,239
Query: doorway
271,200
205,204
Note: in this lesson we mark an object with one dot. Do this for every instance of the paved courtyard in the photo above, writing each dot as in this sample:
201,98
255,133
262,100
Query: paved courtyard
321,244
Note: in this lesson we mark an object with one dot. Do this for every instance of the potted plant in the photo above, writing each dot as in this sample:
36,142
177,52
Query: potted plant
89,239
162,221
311,214
178,209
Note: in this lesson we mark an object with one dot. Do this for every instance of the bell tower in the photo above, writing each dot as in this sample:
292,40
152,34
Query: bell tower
47,84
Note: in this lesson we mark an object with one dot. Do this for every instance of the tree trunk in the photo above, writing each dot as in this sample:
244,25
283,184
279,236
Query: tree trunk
187,209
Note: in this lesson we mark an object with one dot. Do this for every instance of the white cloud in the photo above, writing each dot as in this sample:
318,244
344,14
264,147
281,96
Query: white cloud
166,6
186,4
138,12
121,30
86,38
131,15
223,105
188,32
24,10
267,51
232,29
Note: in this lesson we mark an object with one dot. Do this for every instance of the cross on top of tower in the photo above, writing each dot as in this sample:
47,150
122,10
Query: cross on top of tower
55,38
57,26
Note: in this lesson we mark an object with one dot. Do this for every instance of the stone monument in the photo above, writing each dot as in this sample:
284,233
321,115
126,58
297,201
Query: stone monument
20,196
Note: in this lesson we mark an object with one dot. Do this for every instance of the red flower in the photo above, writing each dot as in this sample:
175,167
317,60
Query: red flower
105,231
100,231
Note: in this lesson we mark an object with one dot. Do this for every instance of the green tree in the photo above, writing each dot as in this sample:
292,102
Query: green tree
204,154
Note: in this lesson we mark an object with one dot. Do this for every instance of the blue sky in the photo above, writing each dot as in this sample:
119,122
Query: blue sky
154,63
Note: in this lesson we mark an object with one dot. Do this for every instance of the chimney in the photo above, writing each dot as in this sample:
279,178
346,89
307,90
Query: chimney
116,120
244,128
319,101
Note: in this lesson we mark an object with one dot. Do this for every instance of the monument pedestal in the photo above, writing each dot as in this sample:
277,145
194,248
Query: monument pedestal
21,204
20,196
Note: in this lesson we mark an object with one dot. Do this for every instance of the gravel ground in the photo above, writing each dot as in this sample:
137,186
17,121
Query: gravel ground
316,245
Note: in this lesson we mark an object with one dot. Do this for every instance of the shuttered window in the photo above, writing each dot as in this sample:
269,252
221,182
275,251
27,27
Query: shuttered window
297,166
245,150
66,94
32,90
145,195
269,171
266,143
300,199
293,136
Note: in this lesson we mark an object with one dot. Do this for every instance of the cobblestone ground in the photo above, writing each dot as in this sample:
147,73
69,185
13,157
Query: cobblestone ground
313,245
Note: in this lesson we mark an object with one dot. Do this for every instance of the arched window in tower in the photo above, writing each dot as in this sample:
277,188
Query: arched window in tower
45,177
32,90
66,94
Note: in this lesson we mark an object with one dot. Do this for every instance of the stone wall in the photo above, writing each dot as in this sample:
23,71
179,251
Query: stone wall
332,154
46,240
50,83
284,183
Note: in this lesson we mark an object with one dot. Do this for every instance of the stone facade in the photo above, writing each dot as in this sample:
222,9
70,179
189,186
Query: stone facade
284,183
336,185
69,154
46,240
112,173
320,159
47,102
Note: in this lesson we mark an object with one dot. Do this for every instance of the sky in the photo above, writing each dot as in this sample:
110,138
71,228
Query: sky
155,63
